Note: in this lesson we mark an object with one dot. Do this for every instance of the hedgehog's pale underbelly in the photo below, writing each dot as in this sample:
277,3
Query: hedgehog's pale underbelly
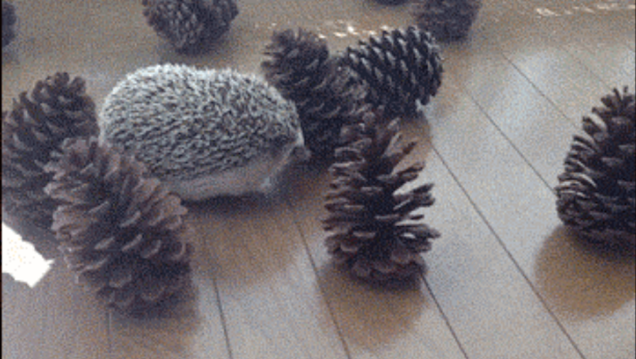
255,177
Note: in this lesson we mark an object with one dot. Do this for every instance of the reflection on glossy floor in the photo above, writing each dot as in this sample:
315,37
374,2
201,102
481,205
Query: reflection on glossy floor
505,280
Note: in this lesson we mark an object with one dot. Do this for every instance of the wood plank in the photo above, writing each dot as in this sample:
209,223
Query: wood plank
590,291
267,286
491,307
604,30
55,319
527,119
595,39
568,84
619,320
506,279
477,275
596,22
514,217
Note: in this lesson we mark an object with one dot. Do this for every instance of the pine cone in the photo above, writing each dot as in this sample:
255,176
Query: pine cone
9,19
374,234
325,95
32,133
400,67
119,229
446,19
188,24
596,191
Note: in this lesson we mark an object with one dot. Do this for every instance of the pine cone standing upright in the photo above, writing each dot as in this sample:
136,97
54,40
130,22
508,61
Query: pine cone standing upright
9,19
446,19
400,67
374,234
188,24
596,193
326,95
32,132
119,229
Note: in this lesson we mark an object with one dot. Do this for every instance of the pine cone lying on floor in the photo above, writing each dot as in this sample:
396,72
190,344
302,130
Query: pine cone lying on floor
119,230
325,95
374,233
188,24
446,19
9,19
399,67
32,132
596,193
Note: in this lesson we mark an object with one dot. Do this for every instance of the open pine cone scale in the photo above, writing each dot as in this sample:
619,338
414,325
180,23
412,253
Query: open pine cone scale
400,68
374,230
32,132
120,230
327,96
596,192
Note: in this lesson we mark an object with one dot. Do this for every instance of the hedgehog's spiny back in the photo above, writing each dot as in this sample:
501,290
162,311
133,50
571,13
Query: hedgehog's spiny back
184,122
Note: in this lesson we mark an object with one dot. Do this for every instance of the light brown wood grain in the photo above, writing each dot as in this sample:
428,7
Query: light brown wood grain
505,280
265,280
55,319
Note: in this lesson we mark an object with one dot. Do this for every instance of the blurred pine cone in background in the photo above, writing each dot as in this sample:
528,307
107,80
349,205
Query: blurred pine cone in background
596,193
119,230
9,18
189,24
399,67
32,133
446,19
326,95
374,232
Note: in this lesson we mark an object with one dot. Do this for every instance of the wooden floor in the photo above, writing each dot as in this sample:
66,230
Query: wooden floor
505,280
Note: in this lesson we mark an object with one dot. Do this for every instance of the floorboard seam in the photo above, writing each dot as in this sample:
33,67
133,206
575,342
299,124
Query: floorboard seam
446,320
509,254
345,346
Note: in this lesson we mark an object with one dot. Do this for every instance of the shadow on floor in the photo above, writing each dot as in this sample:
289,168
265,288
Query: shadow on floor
582,280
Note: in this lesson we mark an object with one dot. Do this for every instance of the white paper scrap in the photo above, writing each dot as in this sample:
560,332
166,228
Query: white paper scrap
21,260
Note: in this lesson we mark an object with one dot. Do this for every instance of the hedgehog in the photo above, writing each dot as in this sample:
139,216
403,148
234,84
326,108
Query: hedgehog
204,132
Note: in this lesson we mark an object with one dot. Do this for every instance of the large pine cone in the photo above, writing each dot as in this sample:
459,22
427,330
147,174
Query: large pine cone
374,234
188,24
446,19
400,67
120,230
9,19
32,133
596,193
326,95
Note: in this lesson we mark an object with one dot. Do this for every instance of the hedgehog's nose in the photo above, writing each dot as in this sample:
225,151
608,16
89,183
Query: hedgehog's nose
299,154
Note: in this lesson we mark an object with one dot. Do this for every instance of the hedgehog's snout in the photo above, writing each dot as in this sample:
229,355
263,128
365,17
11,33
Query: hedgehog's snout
299,154
297,151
